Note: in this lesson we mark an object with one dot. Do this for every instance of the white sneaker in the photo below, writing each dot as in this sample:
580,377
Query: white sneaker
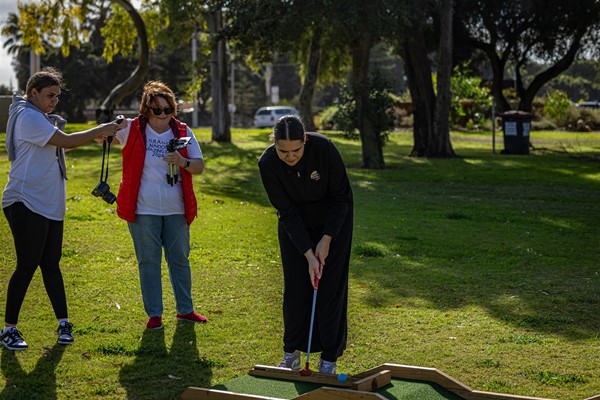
12,339
291,360
327,367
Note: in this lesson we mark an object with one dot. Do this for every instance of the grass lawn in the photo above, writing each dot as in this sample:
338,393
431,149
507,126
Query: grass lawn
484,266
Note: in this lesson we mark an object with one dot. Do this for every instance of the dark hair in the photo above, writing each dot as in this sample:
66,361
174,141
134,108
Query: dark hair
44,78
289,127
152,90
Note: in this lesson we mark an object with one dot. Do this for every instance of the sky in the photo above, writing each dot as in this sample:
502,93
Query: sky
6,70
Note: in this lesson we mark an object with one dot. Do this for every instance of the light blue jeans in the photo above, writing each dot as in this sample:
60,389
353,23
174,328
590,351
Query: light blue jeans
150,234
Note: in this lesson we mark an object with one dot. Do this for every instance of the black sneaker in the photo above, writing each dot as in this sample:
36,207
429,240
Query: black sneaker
12,339
65,333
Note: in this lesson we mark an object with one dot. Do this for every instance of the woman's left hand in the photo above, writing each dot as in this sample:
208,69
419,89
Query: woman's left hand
175,158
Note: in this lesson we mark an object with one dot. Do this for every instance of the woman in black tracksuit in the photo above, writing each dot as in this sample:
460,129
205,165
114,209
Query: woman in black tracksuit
306,181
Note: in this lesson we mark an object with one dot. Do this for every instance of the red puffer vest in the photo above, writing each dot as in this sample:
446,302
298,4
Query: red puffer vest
134,154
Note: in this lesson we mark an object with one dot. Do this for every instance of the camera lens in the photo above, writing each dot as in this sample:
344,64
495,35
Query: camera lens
109,197
102,189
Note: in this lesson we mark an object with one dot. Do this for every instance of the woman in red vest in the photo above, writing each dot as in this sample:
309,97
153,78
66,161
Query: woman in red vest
157,199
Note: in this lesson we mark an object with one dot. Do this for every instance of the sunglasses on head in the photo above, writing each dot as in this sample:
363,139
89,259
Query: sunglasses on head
157,110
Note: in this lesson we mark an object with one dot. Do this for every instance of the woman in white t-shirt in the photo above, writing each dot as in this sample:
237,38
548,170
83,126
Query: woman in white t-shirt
156,198
34,199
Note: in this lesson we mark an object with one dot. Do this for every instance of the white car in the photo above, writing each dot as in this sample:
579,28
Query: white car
266,117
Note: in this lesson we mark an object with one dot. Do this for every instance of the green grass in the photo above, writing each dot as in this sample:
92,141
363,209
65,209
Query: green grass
483,266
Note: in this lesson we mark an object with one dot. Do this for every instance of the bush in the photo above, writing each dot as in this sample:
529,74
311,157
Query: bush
556,106
326,118
381,109
582,119
543,123
470,102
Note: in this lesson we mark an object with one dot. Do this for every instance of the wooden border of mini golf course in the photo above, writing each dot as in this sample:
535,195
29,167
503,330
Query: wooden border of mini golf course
357,387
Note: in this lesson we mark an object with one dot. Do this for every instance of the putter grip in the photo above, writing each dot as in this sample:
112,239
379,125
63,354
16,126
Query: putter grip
316,283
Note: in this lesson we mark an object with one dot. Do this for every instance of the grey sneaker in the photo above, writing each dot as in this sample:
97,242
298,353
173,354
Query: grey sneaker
12,339
291,360
327,367
65,333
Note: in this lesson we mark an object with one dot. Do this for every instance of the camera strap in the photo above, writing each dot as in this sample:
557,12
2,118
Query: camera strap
105,152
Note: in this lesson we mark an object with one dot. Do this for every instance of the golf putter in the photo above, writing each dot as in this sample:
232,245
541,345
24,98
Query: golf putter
306,371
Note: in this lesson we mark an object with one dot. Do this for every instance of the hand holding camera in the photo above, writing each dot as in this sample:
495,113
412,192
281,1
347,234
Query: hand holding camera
102,189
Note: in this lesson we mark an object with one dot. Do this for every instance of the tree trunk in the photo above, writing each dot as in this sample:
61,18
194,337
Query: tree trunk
541,79
372,148
420,85
119,92
218,73
310,81
440,145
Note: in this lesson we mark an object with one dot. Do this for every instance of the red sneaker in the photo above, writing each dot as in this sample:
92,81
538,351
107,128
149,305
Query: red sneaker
154,323
193,317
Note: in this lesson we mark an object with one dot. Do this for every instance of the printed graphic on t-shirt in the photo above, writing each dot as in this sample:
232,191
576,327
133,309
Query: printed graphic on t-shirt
158,148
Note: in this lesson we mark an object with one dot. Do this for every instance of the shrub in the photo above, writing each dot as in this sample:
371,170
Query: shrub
327,118
470,101
556,106
582,119
381,109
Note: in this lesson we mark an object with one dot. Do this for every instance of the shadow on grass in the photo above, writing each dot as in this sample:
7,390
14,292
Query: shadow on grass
513,235
37,384
157,373
480,229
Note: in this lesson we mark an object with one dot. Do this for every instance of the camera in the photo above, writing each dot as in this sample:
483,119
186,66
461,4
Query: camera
174,145
177,144
102,190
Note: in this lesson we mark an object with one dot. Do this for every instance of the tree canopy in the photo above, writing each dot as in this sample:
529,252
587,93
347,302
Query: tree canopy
331,41
515,33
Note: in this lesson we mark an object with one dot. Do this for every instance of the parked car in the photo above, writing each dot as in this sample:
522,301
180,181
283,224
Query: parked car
266,117
589,104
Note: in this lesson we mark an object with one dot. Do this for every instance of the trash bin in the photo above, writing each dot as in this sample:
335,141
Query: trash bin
516,126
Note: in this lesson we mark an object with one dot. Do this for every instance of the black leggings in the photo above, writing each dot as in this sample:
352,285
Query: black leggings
38,241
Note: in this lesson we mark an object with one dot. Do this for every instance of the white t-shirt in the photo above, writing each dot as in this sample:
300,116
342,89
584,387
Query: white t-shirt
156,196
35,178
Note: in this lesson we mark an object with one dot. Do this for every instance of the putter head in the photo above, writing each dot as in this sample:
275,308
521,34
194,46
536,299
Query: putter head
306,371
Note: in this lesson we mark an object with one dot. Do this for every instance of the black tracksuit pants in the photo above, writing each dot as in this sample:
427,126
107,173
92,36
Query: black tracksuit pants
331,315
38,242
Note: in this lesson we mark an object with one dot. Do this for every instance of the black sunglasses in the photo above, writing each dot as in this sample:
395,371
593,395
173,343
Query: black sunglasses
157,110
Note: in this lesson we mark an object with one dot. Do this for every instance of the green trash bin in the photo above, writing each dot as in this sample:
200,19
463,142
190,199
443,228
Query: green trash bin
516,126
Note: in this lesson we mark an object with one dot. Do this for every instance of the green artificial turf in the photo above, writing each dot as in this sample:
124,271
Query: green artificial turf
267,387
397,389
416,390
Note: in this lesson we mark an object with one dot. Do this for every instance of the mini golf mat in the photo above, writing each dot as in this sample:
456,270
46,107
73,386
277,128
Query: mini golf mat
398,389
